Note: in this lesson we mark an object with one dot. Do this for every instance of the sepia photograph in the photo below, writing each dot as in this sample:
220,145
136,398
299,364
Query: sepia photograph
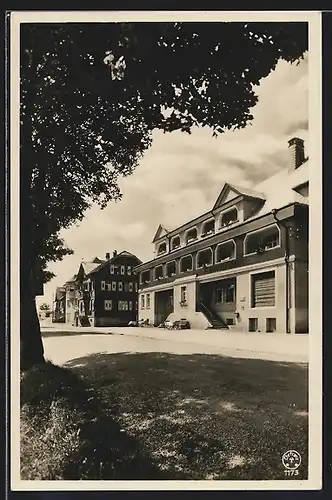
165,180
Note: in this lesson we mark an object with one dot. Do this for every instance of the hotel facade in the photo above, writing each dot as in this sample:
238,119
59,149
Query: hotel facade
243,265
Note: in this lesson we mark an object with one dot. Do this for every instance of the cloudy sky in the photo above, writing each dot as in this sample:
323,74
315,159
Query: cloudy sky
181,175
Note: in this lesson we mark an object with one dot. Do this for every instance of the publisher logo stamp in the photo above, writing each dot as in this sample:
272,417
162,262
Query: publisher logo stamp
291,460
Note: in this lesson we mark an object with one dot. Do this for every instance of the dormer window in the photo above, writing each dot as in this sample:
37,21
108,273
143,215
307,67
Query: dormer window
208,228
186,264
171,269
162,248
204,258
159,273
262,240
176,243
191,236
228,218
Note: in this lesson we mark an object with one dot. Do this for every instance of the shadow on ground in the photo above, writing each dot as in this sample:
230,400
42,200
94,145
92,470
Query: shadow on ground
74,333
205,416
67,434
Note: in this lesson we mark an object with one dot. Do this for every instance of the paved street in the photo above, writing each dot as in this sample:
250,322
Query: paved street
64,342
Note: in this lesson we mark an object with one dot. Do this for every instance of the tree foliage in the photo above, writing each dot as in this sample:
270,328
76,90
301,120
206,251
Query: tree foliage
91,94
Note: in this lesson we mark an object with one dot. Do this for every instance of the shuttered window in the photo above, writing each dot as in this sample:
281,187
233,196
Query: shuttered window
263,289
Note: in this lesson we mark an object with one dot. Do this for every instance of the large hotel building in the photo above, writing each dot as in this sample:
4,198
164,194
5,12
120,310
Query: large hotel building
243,265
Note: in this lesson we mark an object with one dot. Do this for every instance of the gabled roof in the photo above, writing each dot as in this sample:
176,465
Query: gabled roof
161,231
230,191
89,266
124,253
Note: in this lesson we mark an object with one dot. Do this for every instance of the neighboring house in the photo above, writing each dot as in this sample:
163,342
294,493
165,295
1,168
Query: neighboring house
110,292
59,305
243,264
71,300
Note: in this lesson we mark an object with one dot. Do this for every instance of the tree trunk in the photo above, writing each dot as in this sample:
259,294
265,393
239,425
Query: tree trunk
32,350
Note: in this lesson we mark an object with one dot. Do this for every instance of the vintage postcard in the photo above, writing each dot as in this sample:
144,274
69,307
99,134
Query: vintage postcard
166,250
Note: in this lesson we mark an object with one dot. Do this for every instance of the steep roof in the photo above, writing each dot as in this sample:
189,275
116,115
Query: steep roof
90,266
161,231
124,253
230,191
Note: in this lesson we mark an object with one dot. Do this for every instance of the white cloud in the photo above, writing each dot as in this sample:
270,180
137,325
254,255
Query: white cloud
181,175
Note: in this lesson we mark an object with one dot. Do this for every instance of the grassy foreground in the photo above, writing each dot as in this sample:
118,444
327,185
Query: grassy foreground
67,434
205,416
163,416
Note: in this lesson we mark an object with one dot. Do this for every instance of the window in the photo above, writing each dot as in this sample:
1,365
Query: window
183,294
112,269
225,251
123,270
113,286
120,286
176,242
142,301
123,305
261,241
92,305
109,286
204,258
131,286
191,236
130,305
207,228
253,324
159,272
186,264
263,289
162,248
148,301
126,287
108,305
146,276
228,218
226,293
171,269
271,325
102,285
129,270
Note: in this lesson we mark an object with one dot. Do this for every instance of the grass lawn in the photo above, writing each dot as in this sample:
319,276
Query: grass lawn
205,416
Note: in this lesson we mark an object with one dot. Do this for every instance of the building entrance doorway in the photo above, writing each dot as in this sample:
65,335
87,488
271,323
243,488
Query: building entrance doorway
217,300
163,305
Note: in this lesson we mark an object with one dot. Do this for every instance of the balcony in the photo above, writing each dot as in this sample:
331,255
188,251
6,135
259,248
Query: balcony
159,273
208,228
175,243
191,236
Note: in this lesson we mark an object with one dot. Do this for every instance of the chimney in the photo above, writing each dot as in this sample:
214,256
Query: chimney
107,256
115,253
296,153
